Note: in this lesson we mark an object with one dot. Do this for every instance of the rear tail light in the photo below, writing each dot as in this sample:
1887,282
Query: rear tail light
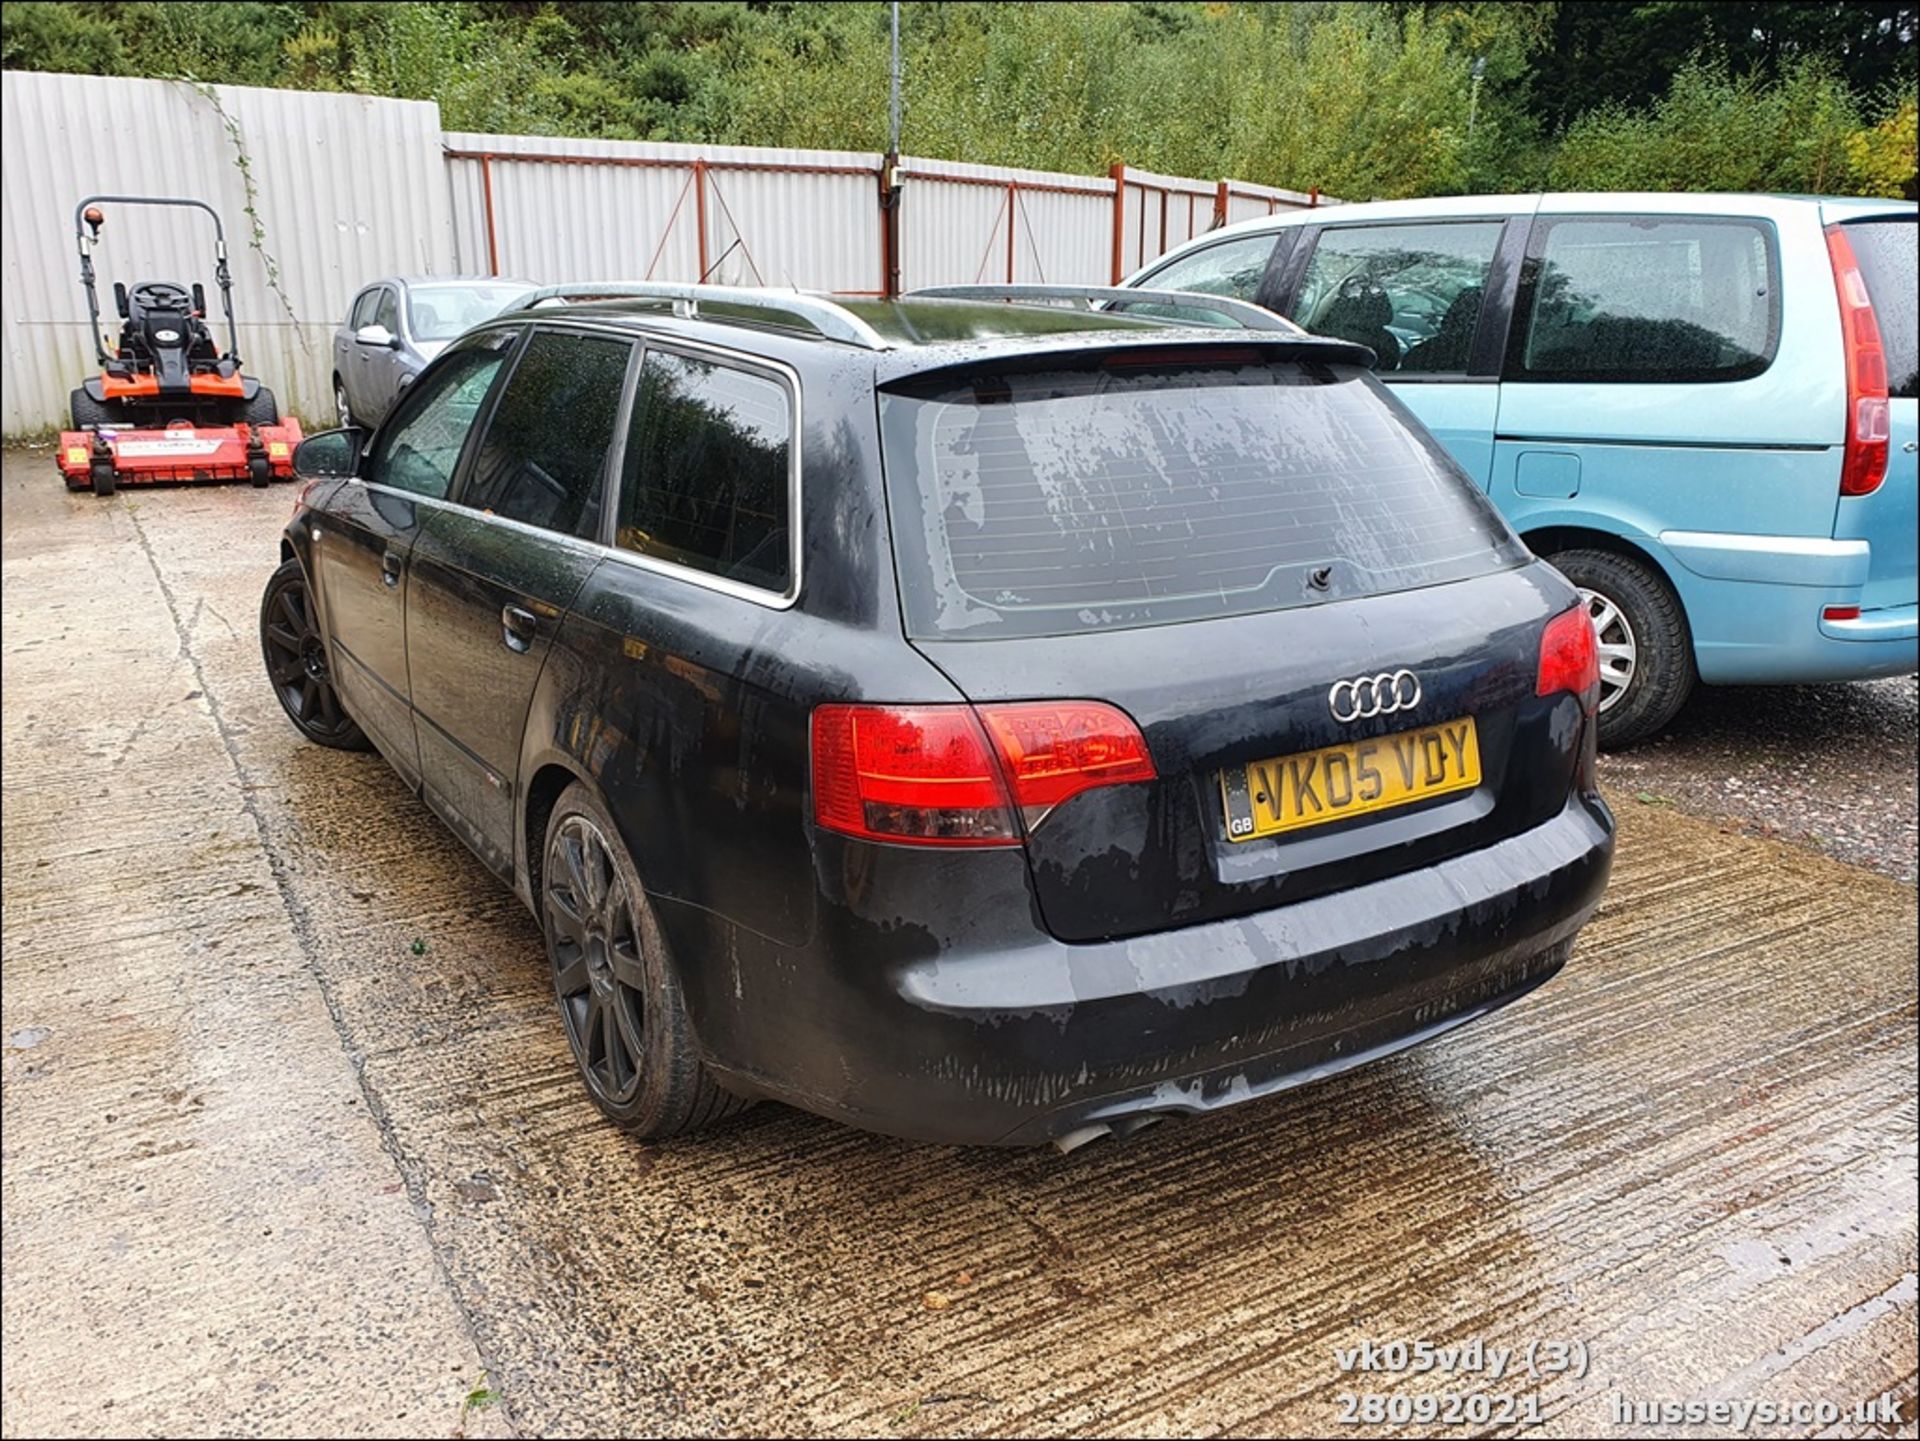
1053,750
1869,414
955,775
1570,658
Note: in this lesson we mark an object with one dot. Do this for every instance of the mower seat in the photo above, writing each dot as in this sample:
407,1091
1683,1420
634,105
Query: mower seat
163,331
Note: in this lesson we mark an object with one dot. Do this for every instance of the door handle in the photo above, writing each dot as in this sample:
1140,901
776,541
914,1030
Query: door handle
390,564
517,627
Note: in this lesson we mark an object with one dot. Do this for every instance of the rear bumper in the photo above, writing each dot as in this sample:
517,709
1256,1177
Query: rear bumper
1015,1042
1755,606
1891,625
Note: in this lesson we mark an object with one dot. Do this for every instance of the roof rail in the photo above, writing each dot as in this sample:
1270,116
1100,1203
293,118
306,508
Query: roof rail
792,309
1241,313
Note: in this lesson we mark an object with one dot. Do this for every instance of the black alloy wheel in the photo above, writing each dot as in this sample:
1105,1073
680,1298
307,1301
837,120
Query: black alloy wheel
297,663
626,1019
597,973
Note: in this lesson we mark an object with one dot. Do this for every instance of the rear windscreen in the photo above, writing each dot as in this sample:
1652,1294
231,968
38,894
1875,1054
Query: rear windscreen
1890,261
1052,502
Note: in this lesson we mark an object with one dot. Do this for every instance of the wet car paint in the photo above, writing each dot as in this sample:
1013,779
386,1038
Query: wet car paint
932,993
370,1177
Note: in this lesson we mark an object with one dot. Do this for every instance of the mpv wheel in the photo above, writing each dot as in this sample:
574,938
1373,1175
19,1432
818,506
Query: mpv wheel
1646,653
297,663
340,407
624,1016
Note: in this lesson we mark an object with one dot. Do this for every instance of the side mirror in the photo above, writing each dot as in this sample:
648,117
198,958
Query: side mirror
330,455
377,336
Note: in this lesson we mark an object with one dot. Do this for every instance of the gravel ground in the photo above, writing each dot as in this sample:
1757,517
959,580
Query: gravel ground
1830,766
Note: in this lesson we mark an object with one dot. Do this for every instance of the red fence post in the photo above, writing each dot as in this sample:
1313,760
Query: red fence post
890,226
1118,170
1313,198
1220,195
486,195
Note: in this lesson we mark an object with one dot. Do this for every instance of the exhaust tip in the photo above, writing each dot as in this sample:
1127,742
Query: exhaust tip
1133,1125
1066,1145
1120,1129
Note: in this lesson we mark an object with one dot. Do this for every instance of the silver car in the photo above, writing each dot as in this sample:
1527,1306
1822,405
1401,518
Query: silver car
395,326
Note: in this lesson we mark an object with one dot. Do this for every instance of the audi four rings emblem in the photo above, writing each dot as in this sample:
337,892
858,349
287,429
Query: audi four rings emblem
1371,695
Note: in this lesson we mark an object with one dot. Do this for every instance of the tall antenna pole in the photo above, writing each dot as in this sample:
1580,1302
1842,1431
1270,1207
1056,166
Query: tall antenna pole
890,174
893,98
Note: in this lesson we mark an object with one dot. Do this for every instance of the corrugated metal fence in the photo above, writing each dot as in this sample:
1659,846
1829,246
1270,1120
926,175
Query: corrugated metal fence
343,187
322,193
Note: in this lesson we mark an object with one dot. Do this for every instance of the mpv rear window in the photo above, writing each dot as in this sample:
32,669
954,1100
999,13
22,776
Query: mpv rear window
1130,495
1890,259
1646,299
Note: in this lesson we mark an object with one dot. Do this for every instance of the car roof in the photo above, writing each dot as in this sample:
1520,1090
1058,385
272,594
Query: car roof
922,334
413,280
1448,207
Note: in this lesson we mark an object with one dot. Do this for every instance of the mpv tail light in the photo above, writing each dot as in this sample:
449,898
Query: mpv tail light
1869,416
954,775
1570,658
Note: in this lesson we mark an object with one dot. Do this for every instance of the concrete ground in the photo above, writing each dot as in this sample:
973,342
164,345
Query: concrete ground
292,1142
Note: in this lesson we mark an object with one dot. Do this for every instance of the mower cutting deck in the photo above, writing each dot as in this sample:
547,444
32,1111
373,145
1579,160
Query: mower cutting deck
107,457
168,405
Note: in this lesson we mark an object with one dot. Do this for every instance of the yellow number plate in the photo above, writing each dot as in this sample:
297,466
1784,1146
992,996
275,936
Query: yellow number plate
1349,780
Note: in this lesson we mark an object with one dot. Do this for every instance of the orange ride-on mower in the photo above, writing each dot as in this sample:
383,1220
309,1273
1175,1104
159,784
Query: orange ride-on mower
167,404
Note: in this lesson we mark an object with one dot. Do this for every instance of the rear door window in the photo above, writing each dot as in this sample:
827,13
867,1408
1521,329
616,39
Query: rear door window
1131,494
1411,293
707,482
1890,260
1646,299
543,458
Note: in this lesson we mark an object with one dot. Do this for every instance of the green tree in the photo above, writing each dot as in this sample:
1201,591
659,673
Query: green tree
70,38
1364,99
1604,53
1717,131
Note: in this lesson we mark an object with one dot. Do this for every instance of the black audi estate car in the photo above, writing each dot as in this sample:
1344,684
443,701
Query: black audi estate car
968,718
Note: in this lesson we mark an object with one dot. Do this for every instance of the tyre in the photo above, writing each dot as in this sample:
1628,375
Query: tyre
88,412
263,409
1646,650
297,663
619,998
340,407
104,481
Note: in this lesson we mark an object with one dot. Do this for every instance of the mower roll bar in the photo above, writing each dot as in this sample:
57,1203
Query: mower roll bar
221,274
